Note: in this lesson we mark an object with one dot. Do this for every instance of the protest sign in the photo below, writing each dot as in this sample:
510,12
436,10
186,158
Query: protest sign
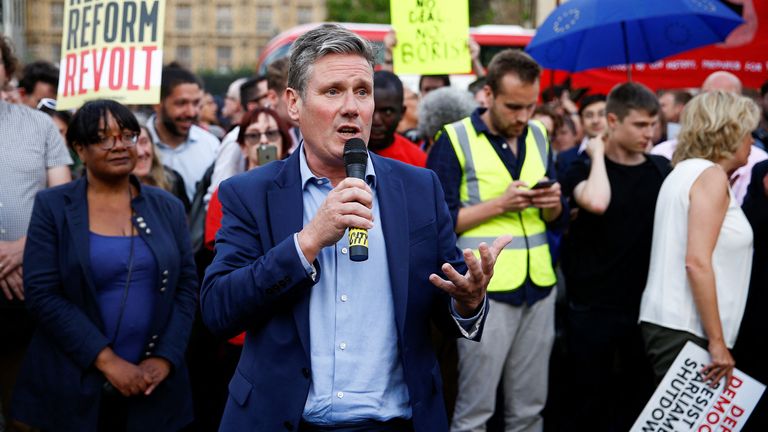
684,402
432,36
111,49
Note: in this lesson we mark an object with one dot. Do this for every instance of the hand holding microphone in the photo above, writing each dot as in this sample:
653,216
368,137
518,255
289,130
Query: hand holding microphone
355,162
347,205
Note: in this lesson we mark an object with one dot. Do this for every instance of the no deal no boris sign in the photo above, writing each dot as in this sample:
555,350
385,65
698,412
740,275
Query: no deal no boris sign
111,49
432,36
684,402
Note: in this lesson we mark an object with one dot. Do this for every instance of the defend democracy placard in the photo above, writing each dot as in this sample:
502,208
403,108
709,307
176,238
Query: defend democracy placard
432,36
111,49
684,402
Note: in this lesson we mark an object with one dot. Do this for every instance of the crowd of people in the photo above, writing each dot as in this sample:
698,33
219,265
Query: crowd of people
537,258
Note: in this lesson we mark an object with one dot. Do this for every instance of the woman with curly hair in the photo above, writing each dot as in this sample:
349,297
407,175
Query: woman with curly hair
702,242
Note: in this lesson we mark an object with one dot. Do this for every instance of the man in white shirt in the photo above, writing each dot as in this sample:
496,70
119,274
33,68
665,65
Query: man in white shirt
725,81
182,145
34,157
672,103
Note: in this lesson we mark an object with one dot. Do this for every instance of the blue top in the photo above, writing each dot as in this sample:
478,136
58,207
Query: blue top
357,374
444,162
109,261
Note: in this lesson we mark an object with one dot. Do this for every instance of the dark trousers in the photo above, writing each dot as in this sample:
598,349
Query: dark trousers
113,412
610,377
16,327
663,344
394,425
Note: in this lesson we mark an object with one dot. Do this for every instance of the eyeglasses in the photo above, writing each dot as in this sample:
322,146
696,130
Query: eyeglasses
128,139
254,138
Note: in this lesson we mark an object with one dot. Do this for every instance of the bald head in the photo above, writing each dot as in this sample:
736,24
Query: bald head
722,80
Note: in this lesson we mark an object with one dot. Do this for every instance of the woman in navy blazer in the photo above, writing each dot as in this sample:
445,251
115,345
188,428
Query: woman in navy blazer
110,276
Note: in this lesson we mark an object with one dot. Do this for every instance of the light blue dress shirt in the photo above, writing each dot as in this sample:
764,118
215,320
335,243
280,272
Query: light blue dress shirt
357,374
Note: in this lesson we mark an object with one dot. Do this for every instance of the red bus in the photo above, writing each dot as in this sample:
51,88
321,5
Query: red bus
491,38
747,60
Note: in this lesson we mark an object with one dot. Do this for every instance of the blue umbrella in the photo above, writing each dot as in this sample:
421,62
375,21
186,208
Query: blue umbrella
587,34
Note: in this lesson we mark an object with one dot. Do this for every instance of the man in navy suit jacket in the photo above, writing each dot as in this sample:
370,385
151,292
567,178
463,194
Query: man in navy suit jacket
335,345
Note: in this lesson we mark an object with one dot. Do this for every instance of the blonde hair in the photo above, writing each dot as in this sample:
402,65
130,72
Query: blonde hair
714,125
157,175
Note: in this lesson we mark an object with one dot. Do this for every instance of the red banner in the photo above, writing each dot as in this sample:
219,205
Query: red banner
744,53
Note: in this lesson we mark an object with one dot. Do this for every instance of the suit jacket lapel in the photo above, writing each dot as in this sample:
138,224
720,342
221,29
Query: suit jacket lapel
285,206
77,217
394,225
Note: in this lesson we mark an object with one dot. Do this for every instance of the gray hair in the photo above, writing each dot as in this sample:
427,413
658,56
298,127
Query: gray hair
319,42
443,106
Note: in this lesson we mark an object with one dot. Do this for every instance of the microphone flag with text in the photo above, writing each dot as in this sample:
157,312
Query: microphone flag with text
355,161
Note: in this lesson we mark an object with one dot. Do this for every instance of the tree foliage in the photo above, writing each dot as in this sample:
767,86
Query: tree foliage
362,11
480,11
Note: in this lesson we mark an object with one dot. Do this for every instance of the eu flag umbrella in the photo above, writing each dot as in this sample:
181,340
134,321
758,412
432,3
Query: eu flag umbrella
587,34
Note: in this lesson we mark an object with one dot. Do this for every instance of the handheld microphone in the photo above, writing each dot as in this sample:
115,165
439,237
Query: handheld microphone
355,161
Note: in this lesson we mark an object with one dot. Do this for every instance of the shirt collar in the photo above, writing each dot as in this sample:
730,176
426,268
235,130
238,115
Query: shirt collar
307,175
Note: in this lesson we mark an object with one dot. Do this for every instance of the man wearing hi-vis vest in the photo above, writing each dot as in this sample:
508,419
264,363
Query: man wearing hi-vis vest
489,165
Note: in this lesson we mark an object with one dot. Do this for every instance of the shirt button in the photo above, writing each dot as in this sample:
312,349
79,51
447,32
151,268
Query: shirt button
344,297
504,146
344,250
343,346
340,395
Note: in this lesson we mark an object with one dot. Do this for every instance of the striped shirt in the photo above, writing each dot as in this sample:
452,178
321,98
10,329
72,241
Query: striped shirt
30,144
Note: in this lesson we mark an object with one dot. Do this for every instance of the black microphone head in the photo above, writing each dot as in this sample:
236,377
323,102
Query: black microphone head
355,152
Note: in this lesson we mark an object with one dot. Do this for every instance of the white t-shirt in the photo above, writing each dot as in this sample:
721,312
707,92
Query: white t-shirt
668,300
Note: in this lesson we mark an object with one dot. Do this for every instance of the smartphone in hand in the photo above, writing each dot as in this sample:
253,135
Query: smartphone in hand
543,184
266,154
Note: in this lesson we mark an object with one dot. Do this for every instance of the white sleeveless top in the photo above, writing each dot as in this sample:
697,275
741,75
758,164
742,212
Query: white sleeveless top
667,300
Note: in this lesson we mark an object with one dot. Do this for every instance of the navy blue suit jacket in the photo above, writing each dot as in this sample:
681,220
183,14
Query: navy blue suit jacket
59,388
257,283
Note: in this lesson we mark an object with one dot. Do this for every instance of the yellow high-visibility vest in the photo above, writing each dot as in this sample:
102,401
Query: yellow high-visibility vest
485,177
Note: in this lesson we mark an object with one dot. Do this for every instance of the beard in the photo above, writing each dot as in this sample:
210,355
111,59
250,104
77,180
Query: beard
169,123
505,128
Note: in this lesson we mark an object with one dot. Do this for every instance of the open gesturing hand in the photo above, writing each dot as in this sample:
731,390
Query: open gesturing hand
468,290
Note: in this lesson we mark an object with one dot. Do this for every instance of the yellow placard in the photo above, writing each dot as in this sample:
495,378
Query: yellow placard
432,36
111,49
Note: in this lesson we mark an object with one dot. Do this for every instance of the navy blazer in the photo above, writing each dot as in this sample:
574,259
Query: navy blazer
59,388
257,283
